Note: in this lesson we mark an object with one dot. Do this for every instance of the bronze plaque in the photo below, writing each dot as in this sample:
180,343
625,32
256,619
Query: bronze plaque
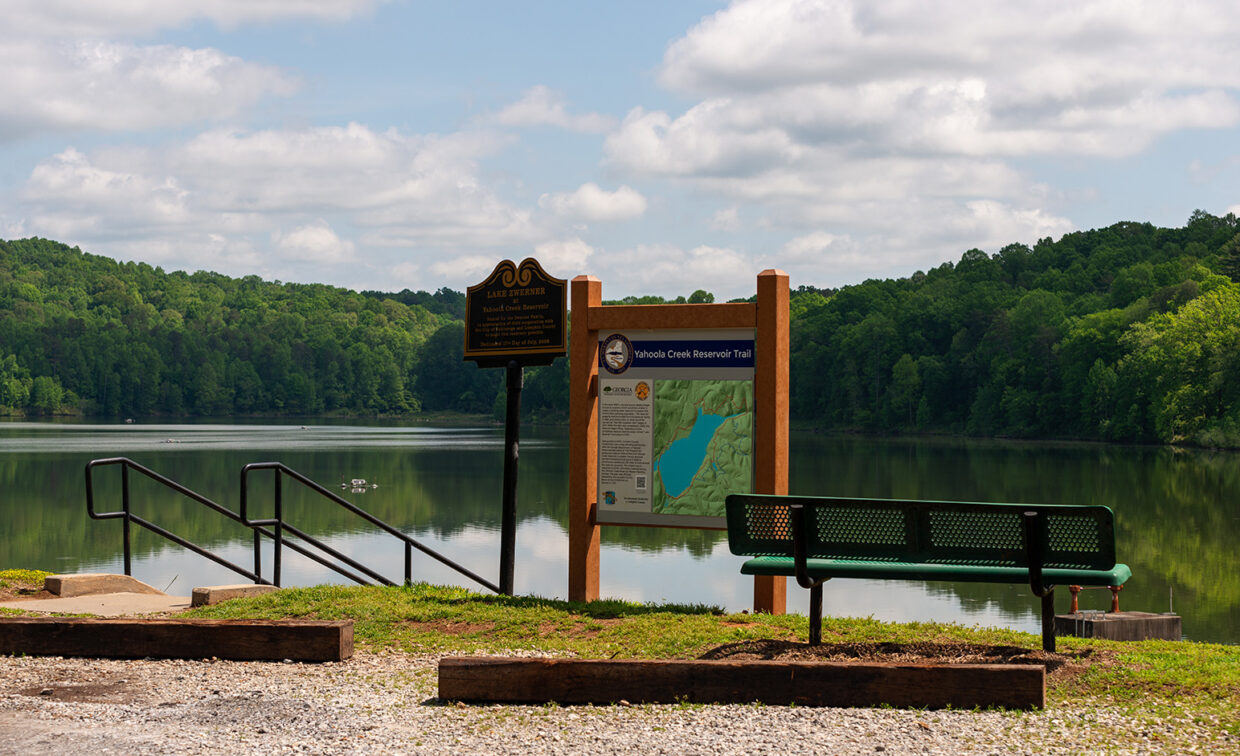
518,313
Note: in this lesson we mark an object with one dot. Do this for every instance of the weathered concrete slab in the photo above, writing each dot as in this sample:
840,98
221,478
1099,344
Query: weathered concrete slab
104,604
214,594
1121,626
87,583
487,679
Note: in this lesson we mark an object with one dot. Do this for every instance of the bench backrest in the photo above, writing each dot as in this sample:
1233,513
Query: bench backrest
945,532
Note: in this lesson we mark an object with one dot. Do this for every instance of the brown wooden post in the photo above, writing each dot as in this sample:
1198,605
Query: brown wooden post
771,414
583,533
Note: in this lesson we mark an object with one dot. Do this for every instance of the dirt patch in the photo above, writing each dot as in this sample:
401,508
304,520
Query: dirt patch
24,592
1058,665
115,691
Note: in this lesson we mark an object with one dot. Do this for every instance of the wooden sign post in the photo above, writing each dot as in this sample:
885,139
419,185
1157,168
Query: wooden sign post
514,318
767,319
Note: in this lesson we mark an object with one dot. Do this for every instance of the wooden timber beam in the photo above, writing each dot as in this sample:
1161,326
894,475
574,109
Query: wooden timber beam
804,683
248,640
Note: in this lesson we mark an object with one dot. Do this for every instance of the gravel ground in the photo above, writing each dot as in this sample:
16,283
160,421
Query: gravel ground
385,703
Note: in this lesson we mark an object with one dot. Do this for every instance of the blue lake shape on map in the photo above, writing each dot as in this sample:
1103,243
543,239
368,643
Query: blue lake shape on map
680,462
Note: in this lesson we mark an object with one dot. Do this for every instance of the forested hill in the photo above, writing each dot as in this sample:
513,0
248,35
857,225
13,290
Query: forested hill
126,339
1128,333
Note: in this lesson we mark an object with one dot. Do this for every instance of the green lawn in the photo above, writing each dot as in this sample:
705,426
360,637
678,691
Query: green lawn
1202,678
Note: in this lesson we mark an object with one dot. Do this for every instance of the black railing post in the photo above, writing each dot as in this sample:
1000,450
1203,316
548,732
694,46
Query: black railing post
279,533
408,563
127,516
508,521
258,554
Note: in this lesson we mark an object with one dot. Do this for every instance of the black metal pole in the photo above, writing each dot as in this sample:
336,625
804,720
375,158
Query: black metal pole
125,506
508,522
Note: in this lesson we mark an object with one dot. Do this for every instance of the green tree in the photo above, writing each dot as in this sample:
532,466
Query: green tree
1187,363
905,387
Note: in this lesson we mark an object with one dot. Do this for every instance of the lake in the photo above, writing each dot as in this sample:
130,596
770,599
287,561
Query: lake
1177,518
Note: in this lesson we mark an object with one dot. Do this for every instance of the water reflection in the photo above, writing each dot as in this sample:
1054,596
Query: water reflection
1175,519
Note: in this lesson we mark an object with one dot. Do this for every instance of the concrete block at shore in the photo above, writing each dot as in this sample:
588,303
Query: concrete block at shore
214,594
1121,626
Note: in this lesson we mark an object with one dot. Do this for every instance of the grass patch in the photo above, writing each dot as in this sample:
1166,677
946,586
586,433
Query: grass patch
1156,679
13,582
1151,675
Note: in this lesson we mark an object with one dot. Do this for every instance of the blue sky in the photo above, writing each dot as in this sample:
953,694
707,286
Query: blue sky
663,147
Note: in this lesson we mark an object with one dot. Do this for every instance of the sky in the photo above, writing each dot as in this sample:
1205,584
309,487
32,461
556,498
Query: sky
663,147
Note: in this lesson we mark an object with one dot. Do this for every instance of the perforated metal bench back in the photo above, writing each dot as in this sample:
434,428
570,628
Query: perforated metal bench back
927,532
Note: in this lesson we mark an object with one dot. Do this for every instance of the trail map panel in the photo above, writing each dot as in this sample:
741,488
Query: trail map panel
675,425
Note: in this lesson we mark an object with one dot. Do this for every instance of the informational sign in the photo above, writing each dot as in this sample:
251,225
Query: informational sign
518,313
675,425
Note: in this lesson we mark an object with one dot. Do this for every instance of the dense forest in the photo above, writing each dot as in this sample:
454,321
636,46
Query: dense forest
1128,333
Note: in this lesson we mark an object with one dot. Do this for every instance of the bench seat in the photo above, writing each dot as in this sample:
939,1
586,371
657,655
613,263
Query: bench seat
859,568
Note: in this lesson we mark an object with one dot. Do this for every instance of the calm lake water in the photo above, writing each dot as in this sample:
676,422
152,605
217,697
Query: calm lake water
1177,517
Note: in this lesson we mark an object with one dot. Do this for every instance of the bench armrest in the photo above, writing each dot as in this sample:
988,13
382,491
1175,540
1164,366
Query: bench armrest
798,516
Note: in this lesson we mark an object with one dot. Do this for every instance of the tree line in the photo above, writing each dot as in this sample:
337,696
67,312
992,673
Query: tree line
1128,333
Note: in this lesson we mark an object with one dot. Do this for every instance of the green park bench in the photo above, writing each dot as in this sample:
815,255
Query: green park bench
814,539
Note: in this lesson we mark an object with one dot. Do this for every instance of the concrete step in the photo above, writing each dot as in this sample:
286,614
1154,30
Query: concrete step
89,583
107,595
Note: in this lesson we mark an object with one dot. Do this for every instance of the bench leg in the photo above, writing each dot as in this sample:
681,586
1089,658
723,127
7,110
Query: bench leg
1048,621
815,615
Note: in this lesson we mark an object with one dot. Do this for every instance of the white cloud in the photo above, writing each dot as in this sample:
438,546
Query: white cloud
995,224
540,106
810,246
71,197
880,136
670,271
107,86
314,195
589,202
12,229
68,67
727,219
563,257
469,268
1095,78
316,242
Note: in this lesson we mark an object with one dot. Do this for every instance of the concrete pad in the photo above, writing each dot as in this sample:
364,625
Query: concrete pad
104,604
214,594
87,583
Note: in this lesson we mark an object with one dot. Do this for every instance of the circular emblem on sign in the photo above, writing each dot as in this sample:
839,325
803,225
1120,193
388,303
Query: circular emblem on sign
643,390
617,354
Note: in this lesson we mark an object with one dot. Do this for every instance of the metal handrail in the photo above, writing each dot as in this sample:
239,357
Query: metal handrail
259,527
130,518
279,526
